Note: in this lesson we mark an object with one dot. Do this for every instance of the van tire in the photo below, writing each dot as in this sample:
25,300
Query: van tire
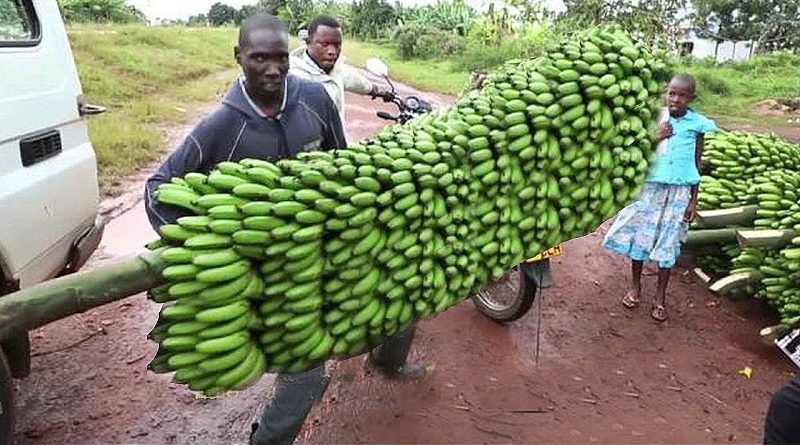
6,401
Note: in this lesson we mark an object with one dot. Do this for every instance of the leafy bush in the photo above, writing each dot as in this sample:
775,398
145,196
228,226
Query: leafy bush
426,42
711,83
455,16
488,47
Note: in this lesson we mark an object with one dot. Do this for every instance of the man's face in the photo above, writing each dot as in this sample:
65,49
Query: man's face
679,96
264,59
325,45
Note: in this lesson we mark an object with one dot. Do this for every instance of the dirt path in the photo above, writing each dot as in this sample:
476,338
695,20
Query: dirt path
604,374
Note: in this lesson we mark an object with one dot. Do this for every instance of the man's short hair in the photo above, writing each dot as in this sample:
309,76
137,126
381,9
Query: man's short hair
322,20
687,79
260,20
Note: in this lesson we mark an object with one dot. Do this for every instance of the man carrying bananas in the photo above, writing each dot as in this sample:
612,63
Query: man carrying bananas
269,114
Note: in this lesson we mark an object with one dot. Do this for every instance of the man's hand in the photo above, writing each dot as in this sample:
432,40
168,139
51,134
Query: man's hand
691,212
380,92
665,131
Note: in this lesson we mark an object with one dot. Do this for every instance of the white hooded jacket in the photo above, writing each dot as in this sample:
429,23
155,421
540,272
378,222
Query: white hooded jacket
342,77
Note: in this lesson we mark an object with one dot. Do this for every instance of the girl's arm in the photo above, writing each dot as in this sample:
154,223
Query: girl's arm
691,210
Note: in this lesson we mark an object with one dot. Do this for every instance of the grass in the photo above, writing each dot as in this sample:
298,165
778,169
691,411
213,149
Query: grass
730,91
439,76
147,78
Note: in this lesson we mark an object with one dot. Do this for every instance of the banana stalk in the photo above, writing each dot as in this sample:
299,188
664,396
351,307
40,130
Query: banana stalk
52,300
716,219
735,281
772,333
765,238
699,238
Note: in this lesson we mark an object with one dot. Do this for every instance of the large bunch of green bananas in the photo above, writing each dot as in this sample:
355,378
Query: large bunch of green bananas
761,173
734,161
283,265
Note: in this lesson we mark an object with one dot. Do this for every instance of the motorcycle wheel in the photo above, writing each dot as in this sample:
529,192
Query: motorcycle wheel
508,298
6,400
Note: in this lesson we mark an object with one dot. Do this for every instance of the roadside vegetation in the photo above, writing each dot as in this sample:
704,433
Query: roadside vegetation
153,76
147,78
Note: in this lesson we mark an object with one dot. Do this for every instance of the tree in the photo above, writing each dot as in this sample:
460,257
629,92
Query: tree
221,14
654,22
370,19
244,12
270,6
11,27
100,11
772,23
197,20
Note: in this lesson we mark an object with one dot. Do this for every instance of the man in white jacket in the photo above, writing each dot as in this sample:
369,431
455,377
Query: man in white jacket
319,60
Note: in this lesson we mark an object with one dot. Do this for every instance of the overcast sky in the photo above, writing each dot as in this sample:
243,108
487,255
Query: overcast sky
182,9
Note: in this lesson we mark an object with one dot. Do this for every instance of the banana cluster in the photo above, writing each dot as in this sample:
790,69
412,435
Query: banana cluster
327,254
742,169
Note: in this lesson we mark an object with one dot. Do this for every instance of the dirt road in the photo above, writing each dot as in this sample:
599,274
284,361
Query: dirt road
604,374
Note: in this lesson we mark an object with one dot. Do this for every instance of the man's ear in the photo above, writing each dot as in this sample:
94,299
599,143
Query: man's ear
236,54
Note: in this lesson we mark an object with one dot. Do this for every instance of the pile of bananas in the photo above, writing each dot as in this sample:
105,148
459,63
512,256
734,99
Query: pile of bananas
280,266
763,172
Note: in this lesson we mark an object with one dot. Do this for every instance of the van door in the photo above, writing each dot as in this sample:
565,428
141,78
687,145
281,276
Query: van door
48,172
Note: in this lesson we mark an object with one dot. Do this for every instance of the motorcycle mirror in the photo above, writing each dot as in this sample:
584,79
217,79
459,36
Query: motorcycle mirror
377,67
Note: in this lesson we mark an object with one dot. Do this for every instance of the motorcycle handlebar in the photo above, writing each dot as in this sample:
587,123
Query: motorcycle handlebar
387,116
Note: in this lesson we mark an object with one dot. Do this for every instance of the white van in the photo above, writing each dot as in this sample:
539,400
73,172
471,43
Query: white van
48,171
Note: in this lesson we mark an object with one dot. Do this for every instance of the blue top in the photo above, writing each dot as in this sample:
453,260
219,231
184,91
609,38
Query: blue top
675,158
308,120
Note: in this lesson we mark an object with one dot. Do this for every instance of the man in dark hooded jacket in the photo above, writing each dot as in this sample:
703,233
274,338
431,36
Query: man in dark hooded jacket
268,114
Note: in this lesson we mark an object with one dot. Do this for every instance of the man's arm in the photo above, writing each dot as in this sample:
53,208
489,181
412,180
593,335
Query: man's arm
355,82
188,157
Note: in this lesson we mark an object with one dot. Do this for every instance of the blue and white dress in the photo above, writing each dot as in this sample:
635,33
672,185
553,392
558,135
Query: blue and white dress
652,227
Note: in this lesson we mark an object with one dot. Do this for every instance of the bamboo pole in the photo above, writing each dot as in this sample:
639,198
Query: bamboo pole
52,300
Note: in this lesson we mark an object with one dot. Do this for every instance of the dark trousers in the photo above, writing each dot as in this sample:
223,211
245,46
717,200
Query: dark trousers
296,393
782,425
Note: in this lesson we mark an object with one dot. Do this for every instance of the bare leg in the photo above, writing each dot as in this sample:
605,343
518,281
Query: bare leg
634,295
660,307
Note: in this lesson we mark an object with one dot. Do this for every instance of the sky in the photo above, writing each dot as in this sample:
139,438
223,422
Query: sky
182,9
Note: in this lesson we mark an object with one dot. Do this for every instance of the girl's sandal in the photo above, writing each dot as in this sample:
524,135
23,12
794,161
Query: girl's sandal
629,301
659,313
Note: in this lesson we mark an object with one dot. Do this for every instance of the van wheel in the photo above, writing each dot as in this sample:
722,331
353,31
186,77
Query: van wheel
6,401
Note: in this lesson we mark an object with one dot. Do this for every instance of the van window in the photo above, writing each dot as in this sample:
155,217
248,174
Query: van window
18,24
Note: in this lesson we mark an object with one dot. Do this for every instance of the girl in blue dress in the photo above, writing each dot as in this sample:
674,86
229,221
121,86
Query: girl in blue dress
655,225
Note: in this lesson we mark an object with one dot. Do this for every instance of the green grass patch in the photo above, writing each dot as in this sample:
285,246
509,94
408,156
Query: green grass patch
729,91
147,77
439,76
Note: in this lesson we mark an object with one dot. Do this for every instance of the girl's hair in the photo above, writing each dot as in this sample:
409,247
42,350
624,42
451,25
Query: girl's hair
687,79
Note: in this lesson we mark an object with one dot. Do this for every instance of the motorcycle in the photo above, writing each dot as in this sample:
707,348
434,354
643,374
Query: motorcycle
511,296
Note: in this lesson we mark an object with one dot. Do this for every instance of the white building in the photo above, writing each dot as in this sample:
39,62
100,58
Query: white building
704,45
